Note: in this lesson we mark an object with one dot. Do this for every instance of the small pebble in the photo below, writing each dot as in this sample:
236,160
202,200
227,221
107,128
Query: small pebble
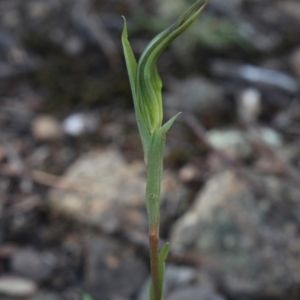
73,45
46,128
188,173
11,18
32,264
249,105
38,9
79,124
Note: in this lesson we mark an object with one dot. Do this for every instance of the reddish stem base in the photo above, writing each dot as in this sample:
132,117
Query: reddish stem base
153,243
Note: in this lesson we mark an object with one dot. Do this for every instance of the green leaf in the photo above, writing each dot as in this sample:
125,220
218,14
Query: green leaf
132,70
129,58
165,128
154,172
151,292
161,263
144,79
154,175
148,82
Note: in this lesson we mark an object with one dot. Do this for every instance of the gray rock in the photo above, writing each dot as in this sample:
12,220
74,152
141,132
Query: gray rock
73,45
292,9
39,9
251,243
11,18
46,296
32,264
195,292
105,191
195,95
239,143
112,270
233,141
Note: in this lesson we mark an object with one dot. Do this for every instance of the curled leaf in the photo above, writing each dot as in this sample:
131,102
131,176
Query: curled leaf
146,83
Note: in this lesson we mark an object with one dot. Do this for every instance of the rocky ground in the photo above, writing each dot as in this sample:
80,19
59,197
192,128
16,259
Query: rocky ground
72,178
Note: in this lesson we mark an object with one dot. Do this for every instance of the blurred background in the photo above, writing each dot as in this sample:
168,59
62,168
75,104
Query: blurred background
72,178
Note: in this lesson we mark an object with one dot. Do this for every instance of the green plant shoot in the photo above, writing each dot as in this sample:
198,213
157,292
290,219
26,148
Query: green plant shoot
86,297
146,88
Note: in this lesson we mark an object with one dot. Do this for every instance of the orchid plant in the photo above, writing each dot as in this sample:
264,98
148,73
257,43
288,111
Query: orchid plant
146,88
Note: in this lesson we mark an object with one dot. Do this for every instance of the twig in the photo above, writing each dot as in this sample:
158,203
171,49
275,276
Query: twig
284,167
287,169
199,131
256,74
48,179
96,28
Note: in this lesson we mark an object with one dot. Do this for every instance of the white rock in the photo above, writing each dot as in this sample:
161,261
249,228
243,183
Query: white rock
249,105
16,286
79,124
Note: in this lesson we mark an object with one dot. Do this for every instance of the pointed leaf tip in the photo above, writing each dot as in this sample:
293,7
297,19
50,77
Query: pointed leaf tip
124,32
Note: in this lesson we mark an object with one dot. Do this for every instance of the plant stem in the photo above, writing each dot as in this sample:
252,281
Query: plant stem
154,175
153,243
